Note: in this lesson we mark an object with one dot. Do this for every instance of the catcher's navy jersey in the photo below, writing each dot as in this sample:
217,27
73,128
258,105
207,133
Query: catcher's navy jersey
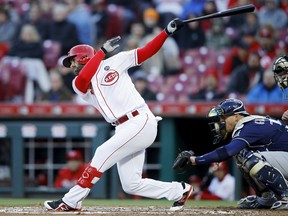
262,133
257,133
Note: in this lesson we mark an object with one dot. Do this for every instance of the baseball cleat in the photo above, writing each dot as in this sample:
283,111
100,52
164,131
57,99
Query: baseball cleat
254,202
58,205
179,205
280,205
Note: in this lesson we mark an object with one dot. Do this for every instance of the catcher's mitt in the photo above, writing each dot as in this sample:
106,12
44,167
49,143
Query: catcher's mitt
182,161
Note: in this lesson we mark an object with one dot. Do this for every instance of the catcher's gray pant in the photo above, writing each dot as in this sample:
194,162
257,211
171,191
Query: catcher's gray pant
127,149
277,159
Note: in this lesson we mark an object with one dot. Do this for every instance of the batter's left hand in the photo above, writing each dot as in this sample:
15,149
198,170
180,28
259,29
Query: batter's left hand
173,26
111,44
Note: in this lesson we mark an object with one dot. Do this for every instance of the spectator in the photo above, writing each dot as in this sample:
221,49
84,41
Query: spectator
34,17
28,45
81,17
265,91
192,7
132,40
191,36
271,14
222,186
209,7
29,48
68,176
209,90
141,84
246,76
168,10
58,92
62,30
7,27
238,20
100,19
47,8
250,24
166,61
267,42
66,73
216,37
237,56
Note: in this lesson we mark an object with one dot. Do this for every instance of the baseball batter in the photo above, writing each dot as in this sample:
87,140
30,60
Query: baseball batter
105,84
260,146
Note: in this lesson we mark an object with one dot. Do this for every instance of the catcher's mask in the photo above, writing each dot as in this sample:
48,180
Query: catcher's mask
280,70
218,114
82,53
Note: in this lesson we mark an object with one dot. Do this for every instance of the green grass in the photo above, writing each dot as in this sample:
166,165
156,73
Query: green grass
103,202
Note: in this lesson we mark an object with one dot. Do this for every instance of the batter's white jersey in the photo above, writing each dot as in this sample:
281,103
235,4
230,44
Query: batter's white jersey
224,189
113,92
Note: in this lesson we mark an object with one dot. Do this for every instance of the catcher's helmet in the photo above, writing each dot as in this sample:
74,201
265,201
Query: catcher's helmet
83,54
280,70
217,115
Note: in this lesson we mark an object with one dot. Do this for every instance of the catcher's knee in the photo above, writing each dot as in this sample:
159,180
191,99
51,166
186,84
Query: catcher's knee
251,162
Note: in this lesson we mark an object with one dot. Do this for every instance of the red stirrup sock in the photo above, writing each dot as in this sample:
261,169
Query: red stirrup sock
89,177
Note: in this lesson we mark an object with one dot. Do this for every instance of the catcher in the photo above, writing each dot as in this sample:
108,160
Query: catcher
280,70
260,146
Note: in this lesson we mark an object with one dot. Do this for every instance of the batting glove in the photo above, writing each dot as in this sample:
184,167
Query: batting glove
173,26
111,44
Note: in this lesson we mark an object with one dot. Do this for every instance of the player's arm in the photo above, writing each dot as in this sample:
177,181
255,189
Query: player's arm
220,154
156,43
82,81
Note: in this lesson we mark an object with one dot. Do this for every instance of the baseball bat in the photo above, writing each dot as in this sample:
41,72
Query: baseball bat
229,12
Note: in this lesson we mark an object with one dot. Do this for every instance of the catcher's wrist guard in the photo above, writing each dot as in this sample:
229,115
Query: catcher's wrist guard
182,162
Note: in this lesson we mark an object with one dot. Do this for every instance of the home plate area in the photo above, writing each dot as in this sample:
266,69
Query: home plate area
142,211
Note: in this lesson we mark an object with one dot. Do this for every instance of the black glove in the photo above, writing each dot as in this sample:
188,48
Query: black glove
111,44
173,26
182,161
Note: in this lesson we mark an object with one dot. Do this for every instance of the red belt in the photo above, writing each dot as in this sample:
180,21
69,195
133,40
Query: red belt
124,118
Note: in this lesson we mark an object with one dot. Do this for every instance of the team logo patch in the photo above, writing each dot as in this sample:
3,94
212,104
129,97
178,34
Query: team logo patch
111,77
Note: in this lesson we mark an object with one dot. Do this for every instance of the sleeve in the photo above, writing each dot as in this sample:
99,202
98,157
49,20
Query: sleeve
151,48
222,153
82,81
251,134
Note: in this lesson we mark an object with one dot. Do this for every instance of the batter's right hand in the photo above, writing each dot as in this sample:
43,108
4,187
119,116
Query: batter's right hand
173,26
111,44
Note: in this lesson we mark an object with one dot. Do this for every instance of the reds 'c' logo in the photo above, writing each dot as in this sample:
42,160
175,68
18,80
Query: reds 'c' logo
111,77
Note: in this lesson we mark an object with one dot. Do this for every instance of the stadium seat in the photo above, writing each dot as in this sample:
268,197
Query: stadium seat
52,51
12,79
115,19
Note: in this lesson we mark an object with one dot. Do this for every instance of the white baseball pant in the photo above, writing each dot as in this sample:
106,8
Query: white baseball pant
127,149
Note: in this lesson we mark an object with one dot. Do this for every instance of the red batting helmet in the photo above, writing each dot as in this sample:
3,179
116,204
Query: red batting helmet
83,54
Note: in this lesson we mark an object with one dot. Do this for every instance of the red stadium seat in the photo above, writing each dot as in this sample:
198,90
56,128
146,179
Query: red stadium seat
12,79
52,51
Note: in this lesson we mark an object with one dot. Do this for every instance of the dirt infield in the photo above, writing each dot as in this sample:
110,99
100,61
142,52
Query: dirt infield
121,211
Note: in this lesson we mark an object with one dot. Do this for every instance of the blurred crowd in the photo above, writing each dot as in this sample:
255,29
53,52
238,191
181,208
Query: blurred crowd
204,61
